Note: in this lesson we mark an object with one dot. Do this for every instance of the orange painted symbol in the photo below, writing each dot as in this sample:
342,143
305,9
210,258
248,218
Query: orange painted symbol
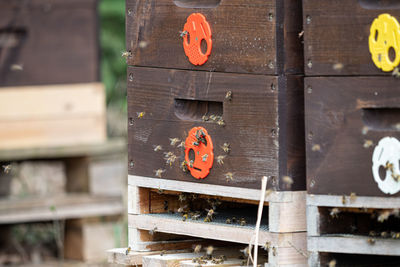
199,153
197,29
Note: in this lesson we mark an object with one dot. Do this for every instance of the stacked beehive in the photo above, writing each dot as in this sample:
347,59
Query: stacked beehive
352,48
215,102
56,162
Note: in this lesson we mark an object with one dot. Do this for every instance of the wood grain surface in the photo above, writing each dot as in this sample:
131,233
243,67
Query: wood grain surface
345,120
336,35
264,112
249,36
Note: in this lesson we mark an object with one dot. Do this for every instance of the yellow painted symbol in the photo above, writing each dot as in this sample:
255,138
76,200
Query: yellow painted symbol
384,42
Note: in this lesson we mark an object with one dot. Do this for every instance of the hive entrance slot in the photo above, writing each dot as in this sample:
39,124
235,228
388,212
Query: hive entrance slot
197,3
381,118
194,110
379,4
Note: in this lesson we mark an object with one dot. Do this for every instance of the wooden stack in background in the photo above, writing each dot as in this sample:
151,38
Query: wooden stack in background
57,166
351,106
253,81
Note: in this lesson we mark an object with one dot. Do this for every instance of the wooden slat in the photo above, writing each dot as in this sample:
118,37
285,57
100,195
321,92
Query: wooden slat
51,102
261,36
336,36
358,202
352,244
111,146
56,208
54,132
342,114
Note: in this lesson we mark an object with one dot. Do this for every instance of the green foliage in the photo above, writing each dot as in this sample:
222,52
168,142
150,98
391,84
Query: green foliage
112,40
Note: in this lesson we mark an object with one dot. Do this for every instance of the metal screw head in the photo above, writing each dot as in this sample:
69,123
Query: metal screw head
130,77
131,164
308,19
131,121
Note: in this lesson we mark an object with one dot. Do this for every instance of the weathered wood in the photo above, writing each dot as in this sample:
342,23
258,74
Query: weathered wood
52,116
87,241
257,37
336,36
345,120
357,202
263,124
57,208
111,146
169,260
48,39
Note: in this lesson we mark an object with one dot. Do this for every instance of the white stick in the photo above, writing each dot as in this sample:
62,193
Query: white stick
259,215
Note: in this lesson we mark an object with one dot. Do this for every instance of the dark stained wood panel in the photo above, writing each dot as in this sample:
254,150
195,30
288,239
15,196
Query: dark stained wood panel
336,35
54,41
343,116
249,36
263,112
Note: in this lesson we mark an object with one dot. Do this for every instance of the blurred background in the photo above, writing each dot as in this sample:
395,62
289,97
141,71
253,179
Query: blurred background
63,109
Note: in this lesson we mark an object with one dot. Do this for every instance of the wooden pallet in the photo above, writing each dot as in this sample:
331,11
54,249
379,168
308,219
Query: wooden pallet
339,231
284,229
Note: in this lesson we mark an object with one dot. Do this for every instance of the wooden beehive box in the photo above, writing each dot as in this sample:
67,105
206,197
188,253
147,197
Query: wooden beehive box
48,42
337,33
247,36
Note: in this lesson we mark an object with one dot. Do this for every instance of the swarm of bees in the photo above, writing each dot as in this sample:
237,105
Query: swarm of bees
214,118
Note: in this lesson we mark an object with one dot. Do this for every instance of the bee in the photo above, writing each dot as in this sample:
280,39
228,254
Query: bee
209,251
184,217
364,130
383,216
197,249
395,235
163,253
337,66
210,213
205,118
220,159
396,72
334,212
353,197
204,157
344,200
182,197
159,172
229,176
372,233
174,141
195,216
228,221
242,222
389,166
246,251
226,148
143,44
384,234
17,67
397,126
371,241
140,114
171,159
268,192
126,54
157,148
267,246
332,263
151,232
228,95
287,180
274,251
182,145
182,33
181,209
160,191
396,176
368,143
301,34
7,168
316,147
207,219
221,122
184,167
213,117
128,249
